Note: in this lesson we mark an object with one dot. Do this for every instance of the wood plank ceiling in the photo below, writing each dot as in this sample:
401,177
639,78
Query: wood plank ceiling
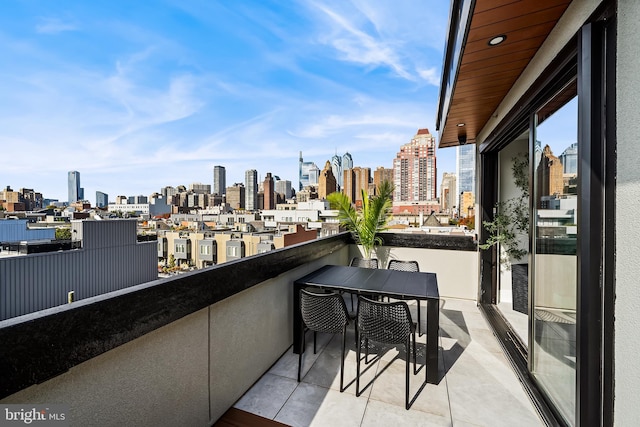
486,72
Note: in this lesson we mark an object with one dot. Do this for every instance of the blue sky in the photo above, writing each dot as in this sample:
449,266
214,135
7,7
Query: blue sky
138,95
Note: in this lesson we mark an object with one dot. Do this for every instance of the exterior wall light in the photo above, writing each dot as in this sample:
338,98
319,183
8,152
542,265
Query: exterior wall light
460,125
495,41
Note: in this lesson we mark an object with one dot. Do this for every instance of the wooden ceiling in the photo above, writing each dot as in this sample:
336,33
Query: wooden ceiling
486,73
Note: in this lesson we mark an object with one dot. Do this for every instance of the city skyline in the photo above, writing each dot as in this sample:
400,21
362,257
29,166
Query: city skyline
160,95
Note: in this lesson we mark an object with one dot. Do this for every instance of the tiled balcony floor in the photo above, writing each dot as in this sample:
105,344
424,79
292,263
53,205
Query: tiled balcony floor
477,387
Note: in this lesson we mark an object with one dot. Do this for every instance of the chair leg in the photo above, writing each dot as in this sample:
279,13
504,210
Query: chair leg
315,338
344,342
358,368
406,396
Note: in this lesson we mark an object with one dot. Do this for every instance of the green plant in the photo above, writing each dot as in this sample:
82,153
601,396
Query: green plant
63,233
365,223
511,218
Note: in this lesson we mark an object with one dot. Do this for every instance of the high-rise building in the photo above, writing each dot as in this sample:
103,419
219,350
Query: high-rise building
355,180
308,173
73,182
251,190
336,168
219,180
236,196
168,192
347,161
269,194
466,168
284,187
102,199
448,192
569,160
414,169
200,188
382,174
327,182
549,176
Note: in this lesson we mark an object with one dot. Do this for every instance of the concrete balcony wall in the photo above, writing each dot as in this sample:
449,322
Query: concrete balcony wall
156,355
188,372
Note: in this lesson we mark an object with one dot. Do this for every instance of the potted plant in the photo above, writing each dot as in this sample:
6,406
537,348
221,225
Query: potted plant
365,223
509,225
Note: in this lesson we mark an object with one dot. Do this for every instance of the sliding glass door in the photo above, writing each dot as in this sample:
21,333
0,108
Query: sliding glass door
555,230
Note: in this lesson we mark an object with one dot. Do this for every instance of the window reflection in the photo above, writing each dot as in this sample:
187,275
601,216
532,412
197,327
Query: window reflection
554,276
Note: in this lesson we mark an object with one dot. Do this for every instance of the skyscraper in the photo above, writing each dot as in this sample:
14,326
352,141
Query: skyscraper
219,180
102,199
326,182
466,168
382,174
269,194
549,179
448,192
355,180
236,196
308,173
414,169
336,168
73,182
569,159
284,187
251,189
347,161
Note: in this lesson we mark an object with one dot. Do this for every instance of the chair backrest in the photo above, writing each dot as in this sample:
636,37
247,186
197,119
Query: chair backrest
385,322
325,313
363,262
399,265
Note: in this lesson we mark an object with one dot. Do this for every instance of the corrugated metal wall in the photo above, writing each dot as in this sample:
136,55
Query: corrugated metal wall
35,282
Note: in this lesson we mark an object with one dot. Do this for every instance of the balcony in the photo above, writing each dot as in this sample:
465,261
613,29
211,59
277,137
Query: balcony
184,350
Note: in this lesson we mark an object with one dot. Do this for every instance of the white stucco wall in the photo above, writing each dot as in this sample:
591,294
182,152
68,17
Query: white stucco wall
627,305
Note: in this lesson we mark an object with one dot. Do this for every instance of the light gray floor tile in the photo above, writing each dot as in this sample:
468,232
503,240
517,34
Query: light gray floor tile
325,371
267,396
287,365
381,414
389,387
311,405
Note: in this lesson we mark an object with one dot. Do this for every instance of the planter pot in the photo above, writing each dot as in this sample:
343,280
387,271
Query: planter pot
520,287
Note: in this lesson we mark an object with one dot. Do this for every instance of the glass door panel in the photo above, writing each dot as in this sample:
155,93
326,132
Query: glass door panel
552,355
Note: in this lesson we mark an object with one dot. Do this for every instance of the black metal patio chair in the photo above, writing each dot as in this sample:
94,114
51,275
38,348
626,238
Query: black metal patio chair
411,266
386,323
325,313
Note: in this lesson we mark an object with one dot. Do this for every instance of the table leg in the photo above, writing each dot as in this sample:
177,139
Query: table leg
433,327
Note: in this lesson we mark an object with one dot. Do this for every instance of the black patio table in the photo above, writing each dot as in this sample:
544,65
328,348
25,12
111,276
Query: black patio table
388,283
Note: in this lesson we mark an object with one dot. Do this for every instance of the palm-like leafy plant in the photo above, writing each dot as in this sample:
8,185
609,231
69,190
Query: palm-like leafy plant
364,224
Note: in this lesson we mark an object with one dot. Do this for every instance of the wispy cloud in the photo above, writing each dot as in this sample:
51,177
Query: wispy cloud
54,26
358,46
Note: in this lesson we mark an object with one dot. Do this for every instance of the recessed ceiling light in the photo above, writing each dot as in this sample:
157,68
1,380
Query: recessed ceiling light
460,124
495,41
